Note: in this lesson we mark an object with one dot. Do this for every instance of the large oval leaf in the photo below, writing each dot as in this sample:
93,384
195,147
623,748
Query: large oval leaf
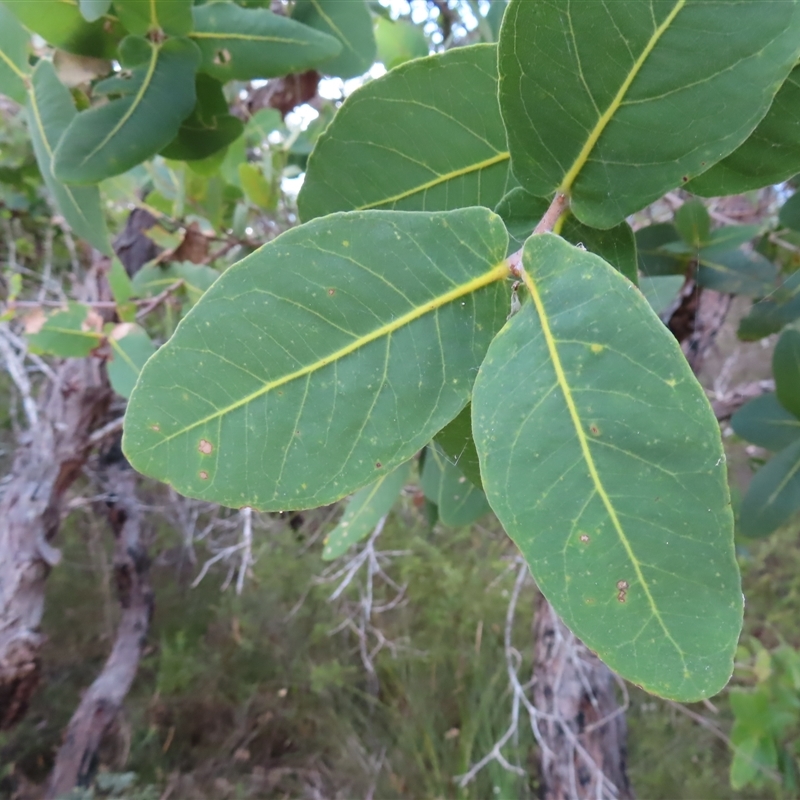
246,43
14,68
602,458
427,136
323,360
687,83
351,23
50,111
110,139
770,155
61,24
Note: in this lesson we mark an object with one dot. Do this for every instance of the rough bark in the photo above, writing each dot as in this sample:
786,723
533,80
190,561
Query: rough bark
582,724
76,760
45,465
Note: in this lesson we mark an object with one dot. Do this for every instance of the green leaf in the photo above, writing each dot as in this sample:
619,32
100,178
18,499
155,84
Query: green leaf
773,496
257,187
351,23
364,511
789,215
654,260
92,10
786,369
243,44
770,315
456,441
366,332
119,282
130,347
521,211
398,41
427,136
737,272
601,456
14,67
688,82
458,500
144,16
50,112
766,423
61,25
693,223
153,279
68,334
661,291
110,139
728,238
209,128
770,155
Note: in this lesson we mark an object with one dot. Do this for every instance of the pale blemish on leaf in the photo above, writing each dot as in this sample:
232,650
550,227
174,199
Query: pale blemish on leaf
205,447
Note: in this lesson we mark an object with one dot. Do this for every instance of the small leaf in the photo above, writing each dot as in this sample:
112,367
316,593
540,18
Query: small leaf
153,279
456,441
131,347
661,291
427,136
61,25
602,458
693,223
770,155
737,272
351,23
728,238
789,215
521,211
654,259
14,67
773,496
110,139
92,10
243,44
786,368
458,500
144,16
399,41
256,187
209,128
120,282
614,133
50,112
366,330
68,334
771,314
766,423
364,511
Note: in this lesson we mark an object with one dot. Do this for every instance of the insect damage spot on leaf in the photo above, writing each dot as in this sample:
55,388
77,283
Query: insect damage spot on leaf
331,292
584,538
203,475
205,447
378,465
595,431
623,590
222,57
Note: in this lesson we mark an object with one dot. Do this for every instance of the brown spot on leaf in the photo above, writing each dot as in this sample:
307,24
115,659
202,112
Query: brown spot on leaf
331,292
203,475
621,597
594,430
584,538
378,465
623,586
222,57
205,447
685,178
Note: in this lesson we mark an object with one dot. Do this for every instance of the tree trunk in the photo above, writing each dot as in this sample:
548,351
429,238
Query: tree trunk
77,757
582,725
30,513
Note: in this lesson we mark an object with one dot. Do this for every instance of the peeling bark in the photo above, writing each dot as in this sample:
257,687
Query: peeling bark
45,465
76,760
582,725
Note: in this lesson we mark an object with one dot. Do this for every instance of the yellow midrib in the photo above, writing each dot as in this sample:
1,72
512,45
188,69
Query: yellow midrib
448,176
496,273
13,67
43,136
598,129
247,37
151,68
587,455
